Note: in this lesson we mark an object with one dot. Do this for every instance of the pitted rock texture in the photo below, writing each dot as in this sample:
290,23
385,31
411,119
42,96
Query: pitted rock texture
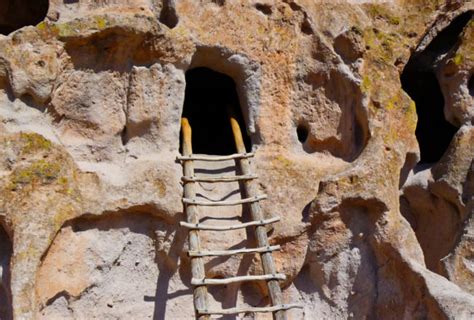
91,98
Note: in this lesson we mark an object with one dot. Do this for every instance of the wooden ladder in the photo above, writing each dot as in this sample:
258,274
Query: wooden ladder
199,280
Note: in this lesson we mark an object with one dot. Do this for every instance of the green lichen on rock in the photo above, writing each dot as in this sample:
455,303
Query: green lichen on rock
63,213
74,28
38,172
383,46
366,84
33,143
411,116
101,22
379,11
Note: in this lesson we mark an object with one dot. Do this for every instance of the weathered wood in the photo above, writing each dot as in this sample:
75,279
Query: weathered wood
222,253
199,226
251,189
197,264
251,309
223,203
242,155
206,282
219,179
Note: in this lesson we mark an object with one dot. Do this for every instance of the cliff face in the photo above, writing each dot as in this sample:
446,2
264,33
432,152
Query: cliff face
360,113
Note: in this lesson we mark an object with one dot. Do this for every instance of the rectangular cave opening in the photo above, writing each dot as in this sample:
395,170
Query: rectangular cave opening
210,97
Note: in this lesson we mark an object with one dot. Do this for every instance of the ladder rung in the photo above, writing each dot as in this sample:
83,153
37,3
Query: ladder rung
199,226
224,203
216,158
219,179
204,282
250,309
232,252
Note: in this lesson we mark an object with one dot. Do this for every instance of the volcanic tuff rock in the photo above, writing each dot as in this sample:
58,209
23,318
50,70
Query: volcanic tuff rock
90,196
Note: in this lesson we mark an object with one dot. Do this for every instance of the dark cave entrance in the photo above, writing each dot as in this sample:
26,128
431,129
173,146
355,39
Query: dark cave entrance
5,256
302,133
16,14
208,93
470,85
433,131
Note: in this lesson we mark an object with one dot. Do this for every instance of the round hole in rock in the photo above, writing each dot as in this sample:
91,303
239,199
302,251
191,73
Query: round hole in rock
302,132
208,96
16,14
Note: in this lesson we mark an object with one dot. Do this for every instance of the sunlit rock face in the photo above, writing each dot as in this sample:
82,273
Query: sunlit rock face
360,114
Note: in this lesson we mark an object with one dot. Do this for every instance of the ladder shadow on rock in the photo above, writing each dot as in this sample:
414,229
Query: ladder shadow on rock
166,272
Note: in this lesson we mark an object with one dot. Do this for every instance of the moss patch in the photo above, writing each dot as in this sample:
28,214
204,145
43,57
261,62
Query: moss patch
458,59
33,143
379,11
38,172
365,85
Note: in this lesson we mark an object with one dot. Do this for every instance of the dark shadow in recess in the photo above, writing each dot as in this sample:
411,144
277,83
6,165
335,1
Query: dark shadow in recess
5,294
433,131
302,133
16,14
208,93
470,85
264,8
168,15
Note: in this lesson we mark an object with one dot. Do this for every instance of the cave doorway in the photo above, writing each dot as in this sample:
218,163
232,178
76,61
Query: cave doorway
16,14
434,133
208,96
5,294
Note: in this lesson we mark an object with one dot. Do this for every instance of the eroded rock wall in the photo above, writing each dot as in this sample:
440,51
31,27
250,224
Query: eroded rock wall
90,194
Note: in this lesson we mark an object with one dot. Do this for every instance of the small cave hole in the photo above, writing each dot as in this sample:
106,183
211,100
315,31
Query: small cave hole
434,133
208,95
470,85
16,14
302,133
5,294
266,9
168,15
220,3
306,27
305,214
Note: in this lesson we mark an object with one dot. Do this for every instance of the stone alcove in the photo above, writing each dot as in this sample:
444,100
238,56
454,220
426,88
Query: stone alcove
427,201
208,96
419,79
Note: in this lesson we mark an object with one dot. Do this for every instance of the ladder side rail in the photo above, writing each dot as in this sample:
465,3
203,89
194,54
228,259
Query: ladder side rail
251,189
197,263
